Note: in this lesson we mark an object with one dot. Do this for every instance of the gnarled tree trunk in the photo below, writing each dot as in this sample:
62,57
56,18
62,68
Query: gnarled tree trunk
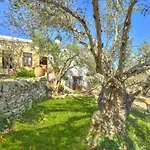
110,119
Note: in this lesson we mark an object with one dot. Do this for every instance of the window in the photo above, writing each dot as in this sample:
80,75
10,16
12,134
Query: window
27,59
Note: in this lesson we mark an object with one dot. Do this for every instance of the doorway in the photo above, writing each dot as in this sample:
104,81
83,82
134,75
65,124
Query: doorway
43,63
76,82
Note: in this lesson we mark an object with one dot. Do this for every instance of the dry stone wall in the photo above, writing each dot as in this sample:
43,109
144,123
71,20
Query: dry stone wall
17,95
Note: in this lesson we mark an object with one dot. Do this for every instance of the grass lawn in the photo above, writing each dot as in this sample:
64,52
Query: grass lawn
62,124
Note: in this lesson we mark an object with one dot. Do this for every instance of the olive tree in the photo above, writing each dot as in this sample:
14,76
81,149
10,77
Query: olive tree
105,33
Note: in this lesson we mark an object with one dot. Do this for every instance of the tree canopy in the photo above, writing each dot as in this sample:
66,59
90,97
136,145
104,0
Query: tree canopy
103,28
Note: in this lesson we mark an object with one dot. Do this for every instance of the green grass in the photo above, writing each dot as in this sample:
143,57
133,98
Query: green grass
59,124
62,124
139,130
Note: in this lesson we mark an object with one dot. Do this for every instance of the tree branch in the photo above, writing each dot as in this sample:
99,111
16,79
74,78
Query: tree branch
76,16
144,85
136,70
118,2
79,32
64,72
124,39
70,59
116,37
83,43
98,31
73,29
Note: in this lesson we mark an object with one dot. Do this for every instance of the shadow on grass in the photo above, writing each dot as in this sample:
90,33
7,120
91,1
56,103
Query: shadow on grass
58,137
69,104
139,130
59,132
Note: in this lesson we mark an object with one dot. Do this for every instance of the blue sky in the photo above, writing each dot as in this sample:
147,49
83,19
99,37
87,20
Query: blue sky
140,26
3,7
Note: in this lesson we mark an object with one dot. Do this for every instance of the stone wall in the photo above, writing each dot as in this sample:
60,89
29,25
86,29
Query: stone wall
17,95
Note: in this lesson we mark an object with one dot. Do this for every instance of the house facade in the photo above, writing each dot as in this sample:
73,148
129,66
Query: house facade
16,53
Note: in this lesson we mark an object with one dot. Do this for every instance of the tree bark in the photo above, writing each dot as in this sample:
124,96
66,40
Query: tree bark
110,119
57,85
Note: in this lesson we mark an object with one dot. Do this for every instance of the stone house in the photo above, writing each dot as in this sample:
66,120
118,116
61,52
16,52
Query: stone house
16,53
76,78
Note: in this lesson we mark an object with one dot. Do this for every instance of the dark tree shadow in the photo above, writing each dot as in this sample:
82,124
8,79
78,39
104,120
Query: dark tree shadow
137,125
64,105
65,135
58,137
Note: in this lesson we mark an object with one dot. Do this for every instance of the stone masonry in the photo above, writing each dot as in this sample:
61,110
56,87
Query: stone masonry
17,95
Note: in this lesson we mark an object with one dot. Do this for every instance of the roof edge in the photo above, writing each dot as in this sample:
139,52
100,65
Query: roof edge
11,38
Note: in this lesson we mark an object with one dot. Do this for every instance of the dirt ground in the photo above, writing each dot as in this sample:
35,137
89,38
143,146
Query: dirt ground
142,103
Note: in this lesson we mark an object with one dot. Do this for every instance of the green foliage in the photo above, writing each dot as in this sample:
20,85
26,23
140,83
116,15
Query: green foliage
13,77
37,16
85,58
144,51
25,73
45,45
5,123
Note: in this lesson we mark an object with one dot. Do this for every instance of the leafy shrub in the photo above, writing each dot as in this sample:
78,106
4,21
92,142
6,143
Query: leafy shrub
5,123
25,73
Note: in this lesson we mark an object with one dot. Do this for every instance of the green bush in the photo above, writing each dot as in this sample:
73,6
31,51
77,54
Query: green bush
25,73
5,123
